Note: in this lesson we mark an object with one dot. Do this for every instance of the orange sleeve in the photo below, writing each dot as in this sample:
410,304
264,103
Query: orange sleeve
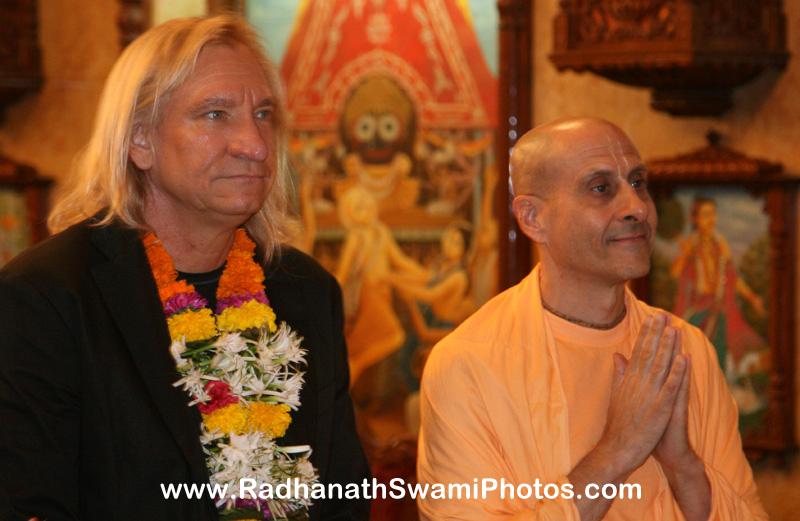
715,436
458,445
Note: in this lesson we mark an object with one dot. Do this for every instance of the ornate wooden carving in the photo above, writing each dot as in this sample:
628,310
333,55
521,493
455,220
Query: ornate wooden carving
514,81
20,62
617,21
133,20
717,166
691,53
716,162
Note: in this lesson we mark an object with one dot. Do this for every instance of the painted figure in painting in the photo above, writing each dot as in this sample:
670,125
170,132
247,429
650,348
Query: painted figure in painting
451,161
15,234
443,296
706,297
368,256
436,304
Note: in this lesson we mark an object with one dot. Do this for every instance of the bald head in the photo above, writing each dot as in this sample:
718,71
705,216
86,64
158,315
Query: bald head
581,195
539,156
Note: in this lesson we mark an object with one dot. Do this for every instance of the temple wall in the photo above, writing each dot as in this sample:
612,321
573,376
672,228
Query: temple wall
78,47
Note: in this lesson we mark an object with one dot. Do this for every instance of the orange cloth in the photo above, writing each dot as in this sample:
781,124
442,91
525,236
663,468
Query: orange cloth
495,404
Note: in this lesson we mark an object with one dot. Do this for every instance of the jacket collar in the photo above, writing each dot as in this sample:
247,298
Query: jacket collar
130,293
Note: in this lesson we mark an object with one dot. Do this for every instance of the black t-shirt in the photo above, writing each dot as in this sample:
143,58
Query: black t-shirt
205,284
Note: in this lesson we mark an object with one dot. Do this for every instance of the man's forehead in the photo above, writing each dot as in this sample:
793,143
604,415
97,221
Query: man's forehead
225,72
553,152
600,143
598,139
614,152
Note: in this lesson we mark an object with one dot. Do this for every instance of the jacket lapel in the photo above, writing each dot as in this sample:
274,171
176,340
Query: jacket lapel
130,293
289,301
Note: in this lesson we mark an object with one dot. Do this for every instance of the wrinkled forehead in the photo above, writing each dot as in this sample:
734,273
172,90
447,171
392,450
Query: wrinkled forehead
602,148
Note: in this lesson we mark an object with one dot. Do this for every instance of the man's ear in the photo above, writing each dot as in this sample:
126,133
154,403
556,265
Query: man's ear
528,211
141,148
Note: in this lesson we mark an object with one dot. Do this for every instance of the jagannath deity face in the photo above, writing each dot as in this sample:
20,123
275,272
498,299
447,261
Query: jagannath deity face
378,120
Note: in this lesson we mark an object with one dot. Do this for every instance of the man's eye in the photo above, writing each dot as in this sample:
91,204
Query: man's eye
639,183
600,189
264,114
214,114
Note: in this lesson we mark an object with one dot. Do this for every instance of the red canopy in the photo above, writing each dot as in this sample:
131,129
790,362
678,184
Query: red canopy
427,46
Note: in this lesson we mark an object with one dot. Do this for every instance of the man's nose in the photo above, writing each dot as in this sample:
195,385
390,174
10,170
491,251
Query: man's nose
250,141
633,204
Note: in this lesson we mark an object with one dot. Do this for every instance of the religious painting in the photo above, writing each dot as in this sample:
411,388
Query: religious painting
725,260
15,232
711,267
23,208
392,113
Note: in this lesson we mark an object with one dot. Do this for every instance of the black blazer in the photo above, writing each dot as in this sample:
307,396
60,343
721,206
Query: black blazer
90,423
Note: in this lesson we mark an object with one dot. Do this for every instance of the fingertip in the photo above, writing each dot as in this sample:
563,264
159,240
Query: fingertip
660,320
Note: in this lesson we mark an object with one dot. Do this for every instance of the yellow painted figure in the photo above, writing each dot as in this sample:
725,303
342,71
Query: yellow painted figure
369,255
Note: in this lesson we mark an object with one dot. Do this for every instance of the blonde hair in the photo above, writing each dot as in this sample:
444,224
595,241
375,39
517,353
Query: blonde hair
104,180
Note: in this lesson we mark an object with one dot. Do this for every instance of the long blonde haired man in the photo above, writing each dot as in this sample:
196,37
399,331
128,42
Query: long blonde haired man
188,148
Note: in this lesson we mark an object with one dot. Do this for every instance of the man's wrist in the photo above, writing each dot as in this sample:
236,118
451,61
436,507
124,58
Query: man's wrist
690,486
619,462
687,468
610,464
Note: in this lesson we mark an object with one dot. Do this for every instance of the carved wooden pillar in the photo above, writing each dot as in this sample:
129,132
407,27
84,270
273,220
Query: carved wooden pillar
780,206
515,116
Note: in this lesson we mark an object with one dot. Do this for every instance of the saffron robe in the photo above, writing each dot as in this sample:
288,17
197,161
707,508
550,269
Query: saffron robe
494,406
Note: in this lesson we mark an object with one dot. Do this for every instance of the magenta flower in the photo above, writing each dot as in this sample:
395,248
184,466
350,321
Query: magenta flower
235,301
180,301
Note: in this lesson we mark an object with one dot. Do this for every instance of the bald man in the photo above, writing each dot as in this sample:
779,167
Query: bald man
565,387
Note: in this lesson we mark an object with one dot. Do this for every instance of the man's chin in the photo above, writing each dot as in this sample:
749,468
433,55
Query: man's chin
637,271
235,215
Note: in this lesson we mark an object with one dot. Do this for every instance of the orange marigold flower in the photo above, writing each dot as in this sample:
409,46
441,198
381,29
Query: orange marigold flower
229,419
192,325
165,292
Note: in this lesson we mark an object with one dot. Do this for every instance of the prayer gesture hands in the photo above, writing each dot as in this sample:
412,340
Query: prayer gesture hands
647,413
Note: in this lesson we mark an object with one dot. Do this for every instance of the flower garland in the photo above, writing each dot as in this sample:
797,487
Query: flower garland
241,369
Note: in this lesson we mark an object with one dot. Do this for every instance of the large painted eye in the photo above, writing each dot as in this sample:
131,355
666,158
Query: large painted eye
364,129
388,127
